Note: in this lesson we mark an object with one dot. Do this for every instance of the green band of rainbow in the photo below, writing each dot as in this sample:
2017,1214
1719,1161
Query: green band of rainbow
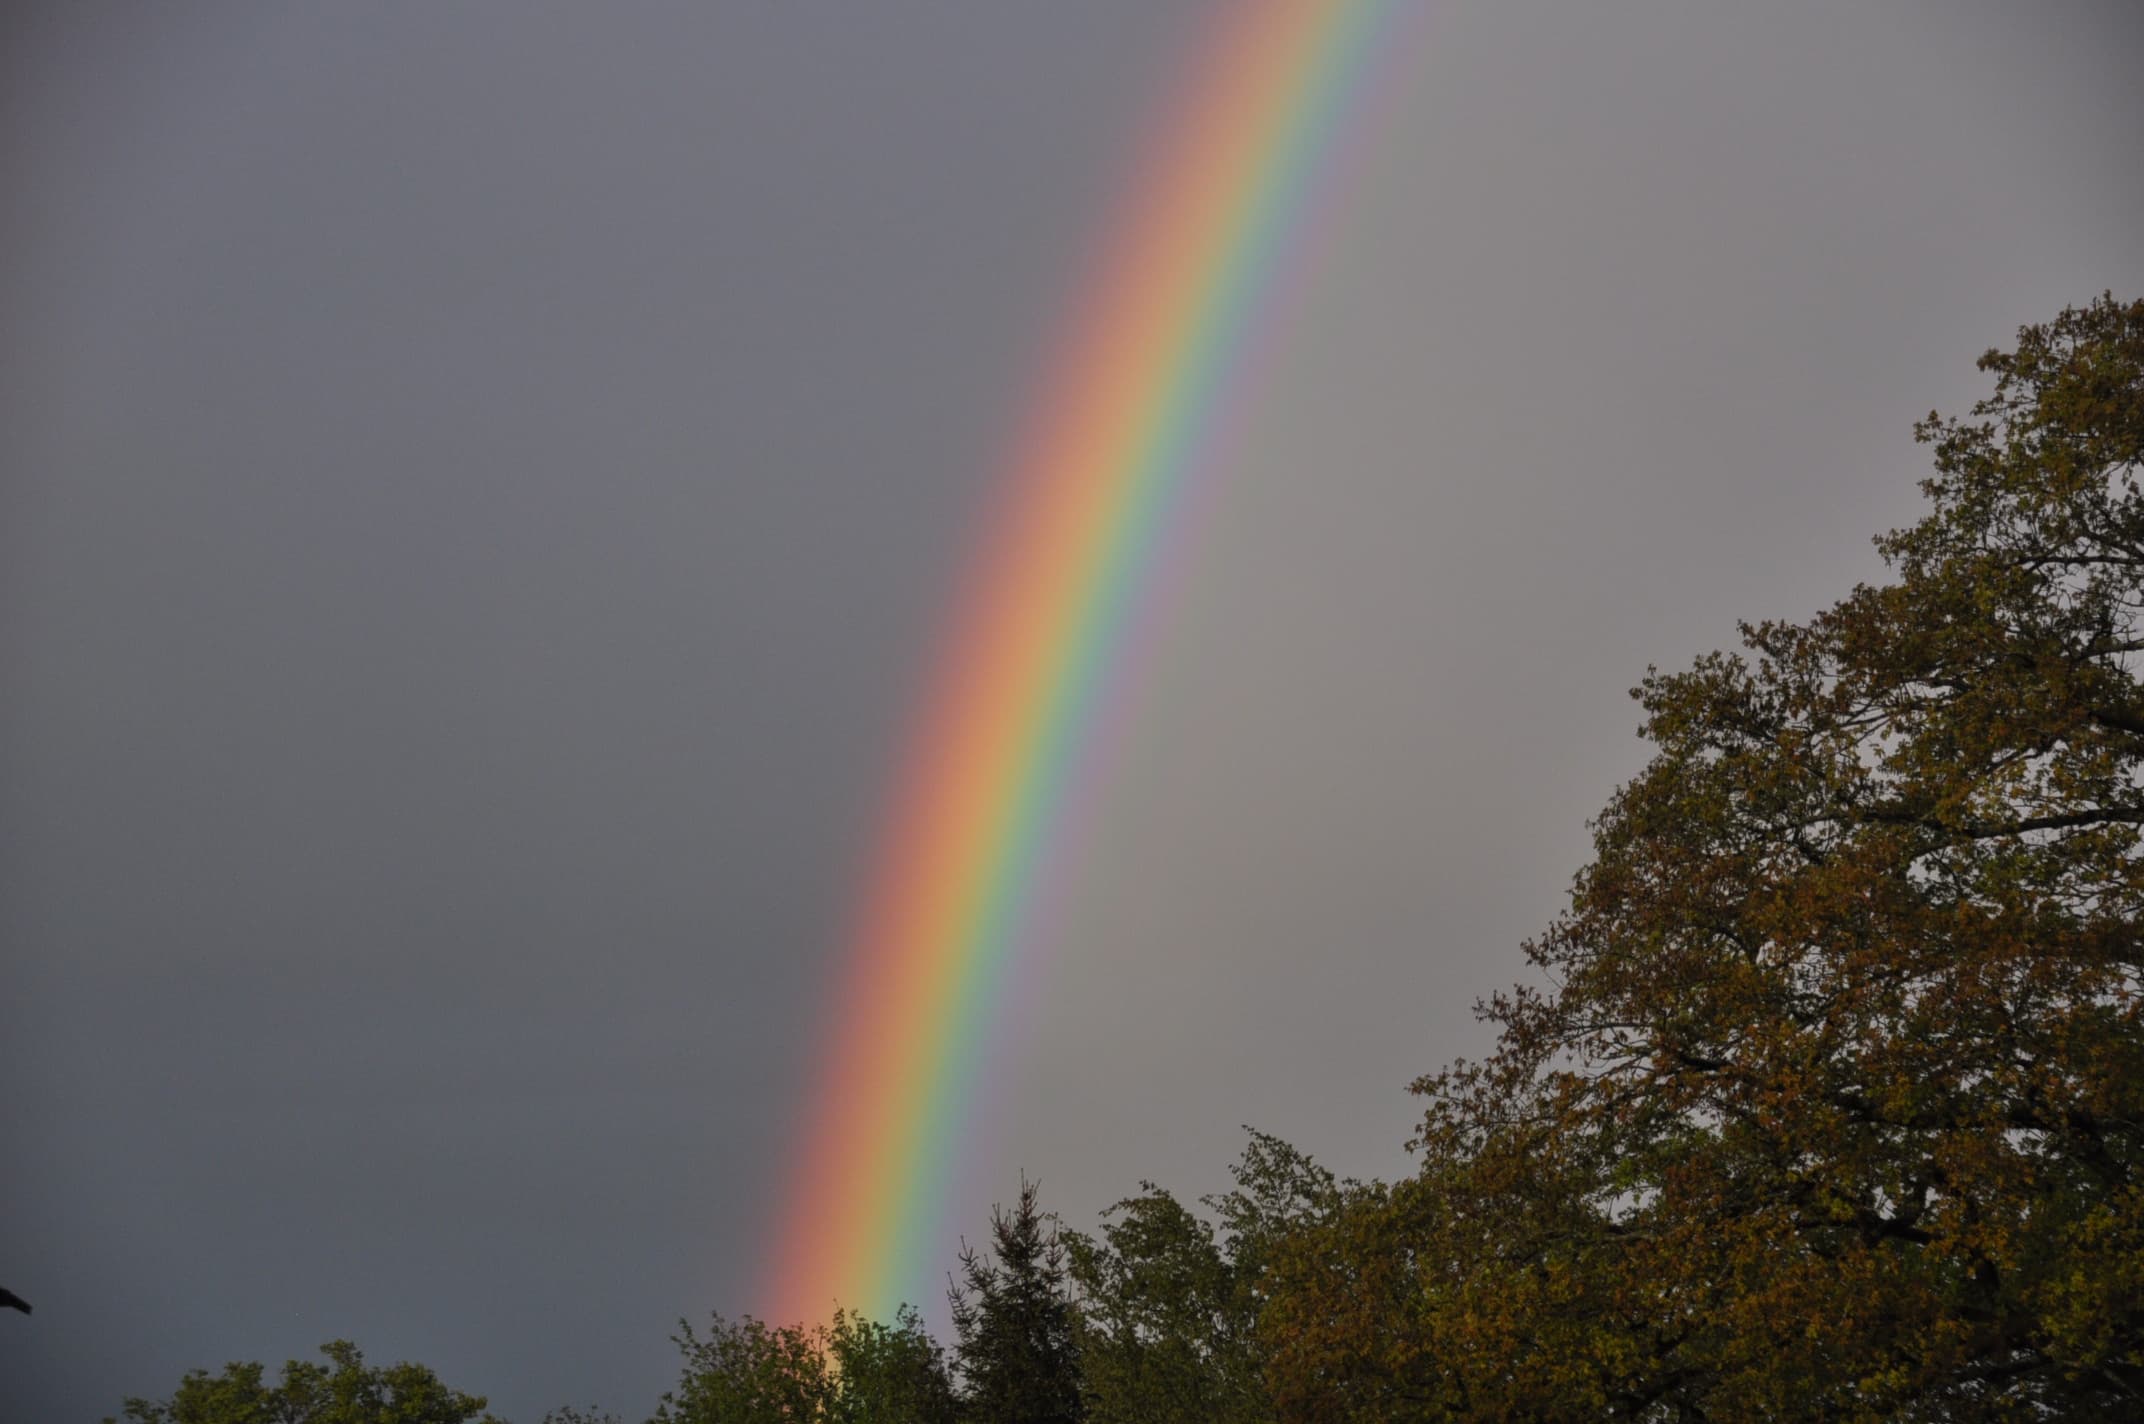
1127,421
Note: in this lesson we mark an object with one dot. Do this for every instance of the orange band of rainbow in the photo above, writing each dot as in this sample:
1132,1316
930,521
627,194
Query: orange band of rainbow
1128,410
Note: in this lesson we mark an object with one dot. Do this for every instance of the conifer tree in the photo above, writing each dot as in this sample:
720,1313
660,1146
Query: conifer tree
1019,1361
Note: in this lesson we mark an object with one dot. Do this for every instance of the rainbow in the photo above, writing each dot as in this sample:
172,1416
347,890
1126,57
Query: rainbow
1130,417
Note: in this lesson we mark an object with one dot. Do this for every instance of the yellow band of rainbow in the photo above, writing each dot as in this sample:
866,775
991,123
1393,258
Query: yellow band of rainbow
1128,409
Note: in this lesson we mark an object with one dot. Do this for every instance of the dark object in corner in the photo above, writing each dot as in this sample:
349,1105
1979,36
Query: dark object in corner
9,1298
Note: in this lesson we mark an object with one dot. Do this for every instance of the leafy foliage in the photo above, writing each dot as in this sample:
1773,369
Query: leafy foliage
342,1391
1835,1103
851,1371
887,1374
1170,1299
746,1372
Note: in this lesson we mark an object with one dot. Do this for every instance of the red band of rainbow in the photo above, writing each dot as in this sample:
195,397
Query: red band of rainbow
1125,421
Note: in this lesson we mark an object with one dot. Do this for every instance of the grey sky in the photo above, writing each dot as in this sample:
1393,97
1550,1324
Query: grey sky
479,481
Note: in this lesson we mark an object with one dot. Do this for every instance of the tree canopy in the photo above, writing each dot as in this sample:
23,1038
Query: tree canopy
344,1390
1013,1316
852,1370
1169,1299
1833,1102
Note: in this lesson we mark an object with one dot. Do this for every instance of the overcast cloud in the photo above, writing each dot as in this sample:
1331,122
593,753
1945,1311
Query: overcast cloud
477,483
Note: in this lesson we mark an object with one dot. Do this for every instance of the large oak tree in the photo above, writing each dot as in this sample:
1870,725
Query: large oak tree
1830,1102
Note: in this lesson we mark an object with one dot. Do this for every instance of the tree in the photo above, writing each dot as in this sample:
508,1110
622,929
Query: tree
748,1372
852,1371
1833,1102
1169,1300
1019,1361
1159,1323
343,1391
887,1374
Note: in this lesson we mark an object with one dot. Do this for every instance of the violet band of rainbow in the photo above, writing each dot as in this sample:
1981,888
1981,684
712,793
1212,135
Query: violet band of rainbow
1131,409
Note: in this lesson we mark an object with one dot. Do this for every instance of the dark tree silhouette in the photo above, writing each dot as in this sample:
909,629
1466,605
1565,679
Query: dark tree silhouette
1019,1359
344,1390
1829,1101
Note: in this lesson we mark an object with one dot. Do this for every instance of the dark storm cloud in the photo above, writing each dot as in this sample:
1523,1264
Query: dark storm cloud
479,483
